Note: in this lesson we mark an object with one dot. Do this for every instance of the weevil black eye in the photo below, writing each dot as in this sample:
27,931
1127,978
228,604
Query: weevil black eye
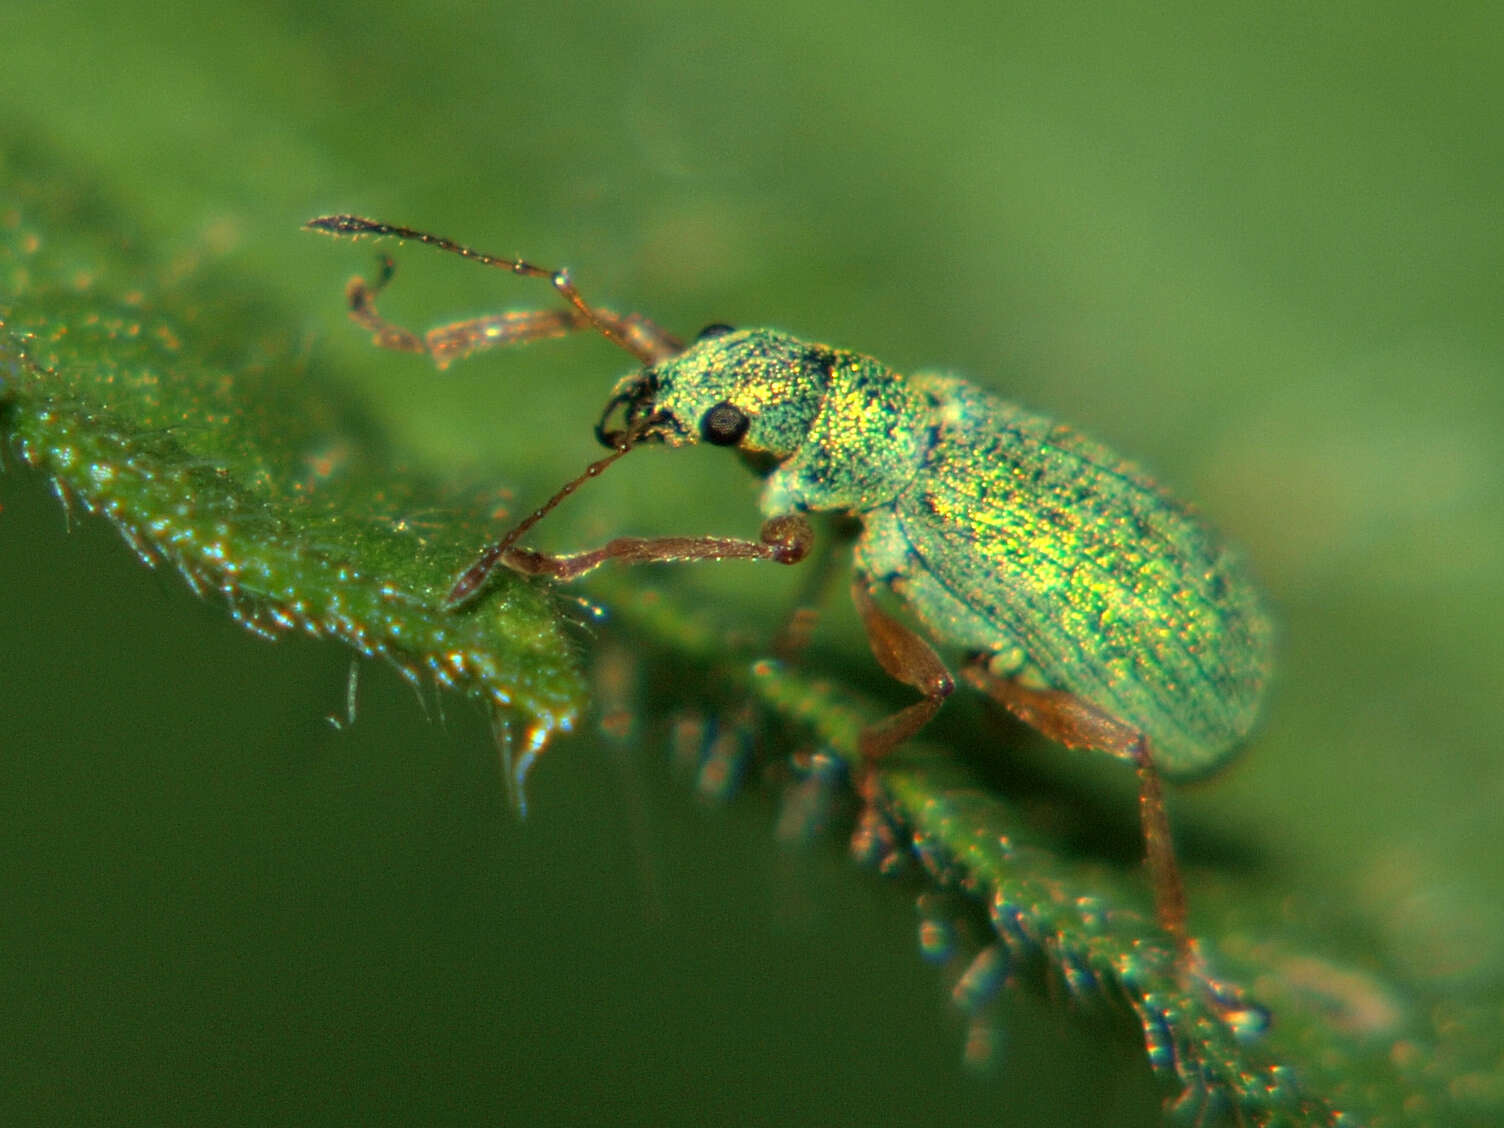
724,425
714,329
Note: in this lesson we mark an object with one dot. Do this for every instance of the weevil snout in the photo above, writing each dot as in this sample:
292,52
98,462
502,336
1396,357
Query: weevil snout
640,421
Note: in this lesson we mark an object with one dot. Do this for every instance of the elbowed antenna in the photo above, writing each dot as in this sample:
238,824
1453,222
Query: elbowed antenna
475,575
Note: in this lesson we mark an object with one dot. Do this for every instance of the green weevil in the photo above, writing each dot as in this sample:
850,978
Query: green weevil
1088,602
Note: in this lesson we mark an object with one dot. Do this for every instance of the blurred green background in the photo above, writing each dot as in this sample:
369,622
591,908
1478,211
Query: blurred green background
1259,251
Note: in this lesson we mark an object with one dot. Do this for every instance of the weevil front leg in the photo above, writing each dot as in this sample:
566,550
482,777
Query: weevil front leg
783,540
909,659
1075,723
459,339
632,332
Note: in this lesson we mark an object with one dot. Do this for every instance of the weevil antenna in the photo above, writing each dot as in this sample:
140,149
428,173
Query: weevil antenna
475,575
356,227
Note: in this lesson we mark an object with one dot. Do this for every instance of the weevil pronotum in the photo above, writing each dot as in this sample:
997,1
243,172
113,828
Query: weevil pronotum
1088,602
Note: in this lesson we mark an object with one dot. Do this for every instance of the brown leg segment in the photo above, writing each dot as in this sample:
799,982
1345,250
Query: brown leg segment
907,657
785,540
452,342
632,332
1076,724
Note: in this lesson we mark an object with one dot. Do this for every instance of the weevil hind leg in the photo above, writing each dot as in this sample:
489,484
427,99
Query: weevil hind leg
909,659
1069,720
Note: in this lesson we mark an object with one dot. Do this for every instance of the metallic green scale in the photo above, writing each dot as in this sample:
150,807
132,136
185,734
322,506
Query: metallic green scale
1006,534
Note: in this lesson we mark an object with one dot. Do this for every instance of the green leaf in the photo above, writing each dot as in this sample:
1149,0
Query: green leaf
170,398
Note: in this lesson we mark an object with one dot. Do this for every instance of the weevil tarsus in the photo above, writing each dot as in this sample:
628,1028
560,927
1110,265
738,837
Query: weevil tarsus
360,297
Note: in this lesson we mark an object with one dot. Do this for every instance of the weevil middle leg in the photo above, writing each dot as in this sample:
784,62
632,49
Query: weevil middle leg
906,657
820,570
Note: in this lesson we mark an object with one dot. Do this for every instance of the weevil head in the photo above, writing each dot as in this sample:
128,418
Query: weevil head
754,389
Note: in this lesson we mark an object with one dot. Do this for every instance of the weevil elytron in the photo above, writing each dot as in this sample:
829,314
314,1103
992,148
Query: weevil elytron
1088,602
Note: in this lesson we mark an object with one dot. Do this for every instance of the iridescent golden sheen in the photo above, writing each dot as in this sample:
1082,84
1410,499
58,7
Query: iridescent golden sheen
1008,535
